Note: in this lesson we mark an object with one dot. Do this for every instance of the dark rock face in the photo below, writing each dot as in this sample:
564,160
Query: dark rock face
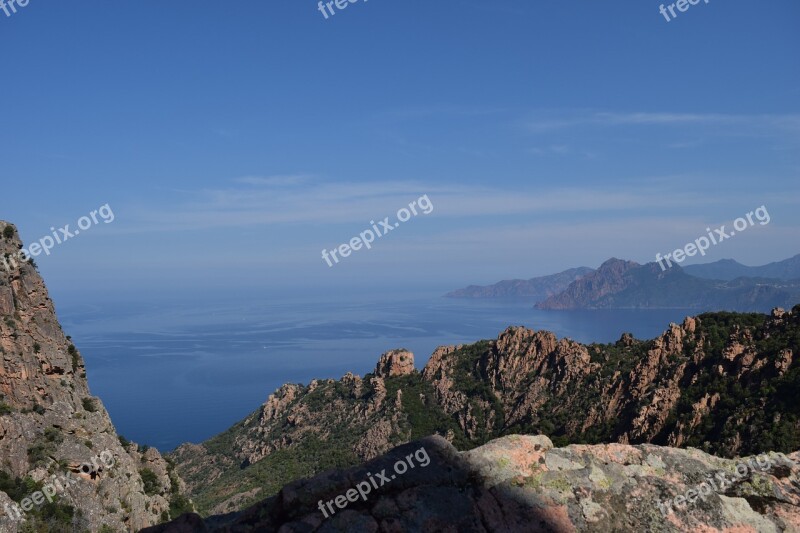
608,279
523,484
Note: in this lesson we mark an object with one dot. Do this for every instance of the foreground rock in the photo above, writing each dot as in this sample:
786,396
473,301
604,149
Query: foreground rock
523,484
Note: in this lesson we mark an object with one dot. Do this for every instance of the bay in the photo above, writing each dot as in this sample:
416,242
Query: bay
177,371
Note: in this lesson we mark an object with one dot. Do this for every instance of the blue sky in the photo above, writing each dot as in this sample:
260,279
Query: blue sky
234,141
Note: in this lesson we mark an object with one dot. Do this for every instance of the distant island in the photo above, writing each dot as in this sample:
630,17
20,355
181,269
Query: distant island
619,284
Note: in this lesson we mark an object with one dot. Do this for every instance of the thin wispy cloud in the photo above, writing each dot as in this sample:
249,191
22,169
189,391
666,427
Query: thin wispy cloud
297,200
442,110
553,149
779,122
276,180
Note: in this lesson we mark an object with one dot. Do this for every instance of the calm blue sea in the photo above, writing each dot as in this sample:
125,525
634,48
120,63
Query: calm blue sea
178,371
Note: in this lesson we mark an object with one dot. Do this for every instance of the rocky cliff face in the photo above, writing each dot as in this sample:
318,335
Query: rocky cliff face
584,292
51,425
524,484
723,382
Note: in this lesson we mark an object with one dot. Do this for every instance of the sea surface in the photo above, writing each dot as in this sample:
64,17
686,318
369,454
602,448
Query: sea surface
178,371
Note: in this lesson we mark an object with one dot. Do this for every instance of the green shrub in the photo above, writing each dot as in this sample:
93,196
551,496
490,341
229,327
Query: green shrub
89,405
17,488
52,516
8,232
180,504
74,353
5,409
53,435
150,481
40,451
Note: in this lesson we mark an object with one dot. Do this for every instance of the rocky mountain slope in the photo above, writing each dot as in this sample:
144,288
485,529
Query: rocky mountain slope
722,382
619,284
523,484
537,289
51,427
728,269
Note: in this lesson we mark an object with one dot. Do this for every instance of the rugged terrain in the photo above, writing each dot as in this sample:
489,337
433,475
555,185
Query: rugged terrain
726,383
50,424
523,484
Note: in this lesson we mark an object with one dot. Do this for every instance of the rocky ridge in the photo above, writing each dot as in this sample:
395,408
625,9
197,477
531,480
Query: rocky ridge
723,382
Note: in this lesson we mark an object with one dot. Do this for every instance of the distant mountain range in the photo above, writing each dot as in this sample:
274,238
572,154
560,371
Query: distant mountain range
621,284
618,284
538,289
728,269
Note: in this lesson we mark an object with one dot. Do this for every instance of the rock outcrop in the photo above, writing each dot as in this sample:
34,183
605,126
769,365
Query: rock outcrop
524,484
395,363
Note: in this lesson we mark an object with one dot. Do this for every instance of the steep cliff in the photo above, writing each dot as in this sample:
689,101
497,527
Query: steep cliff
52,428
